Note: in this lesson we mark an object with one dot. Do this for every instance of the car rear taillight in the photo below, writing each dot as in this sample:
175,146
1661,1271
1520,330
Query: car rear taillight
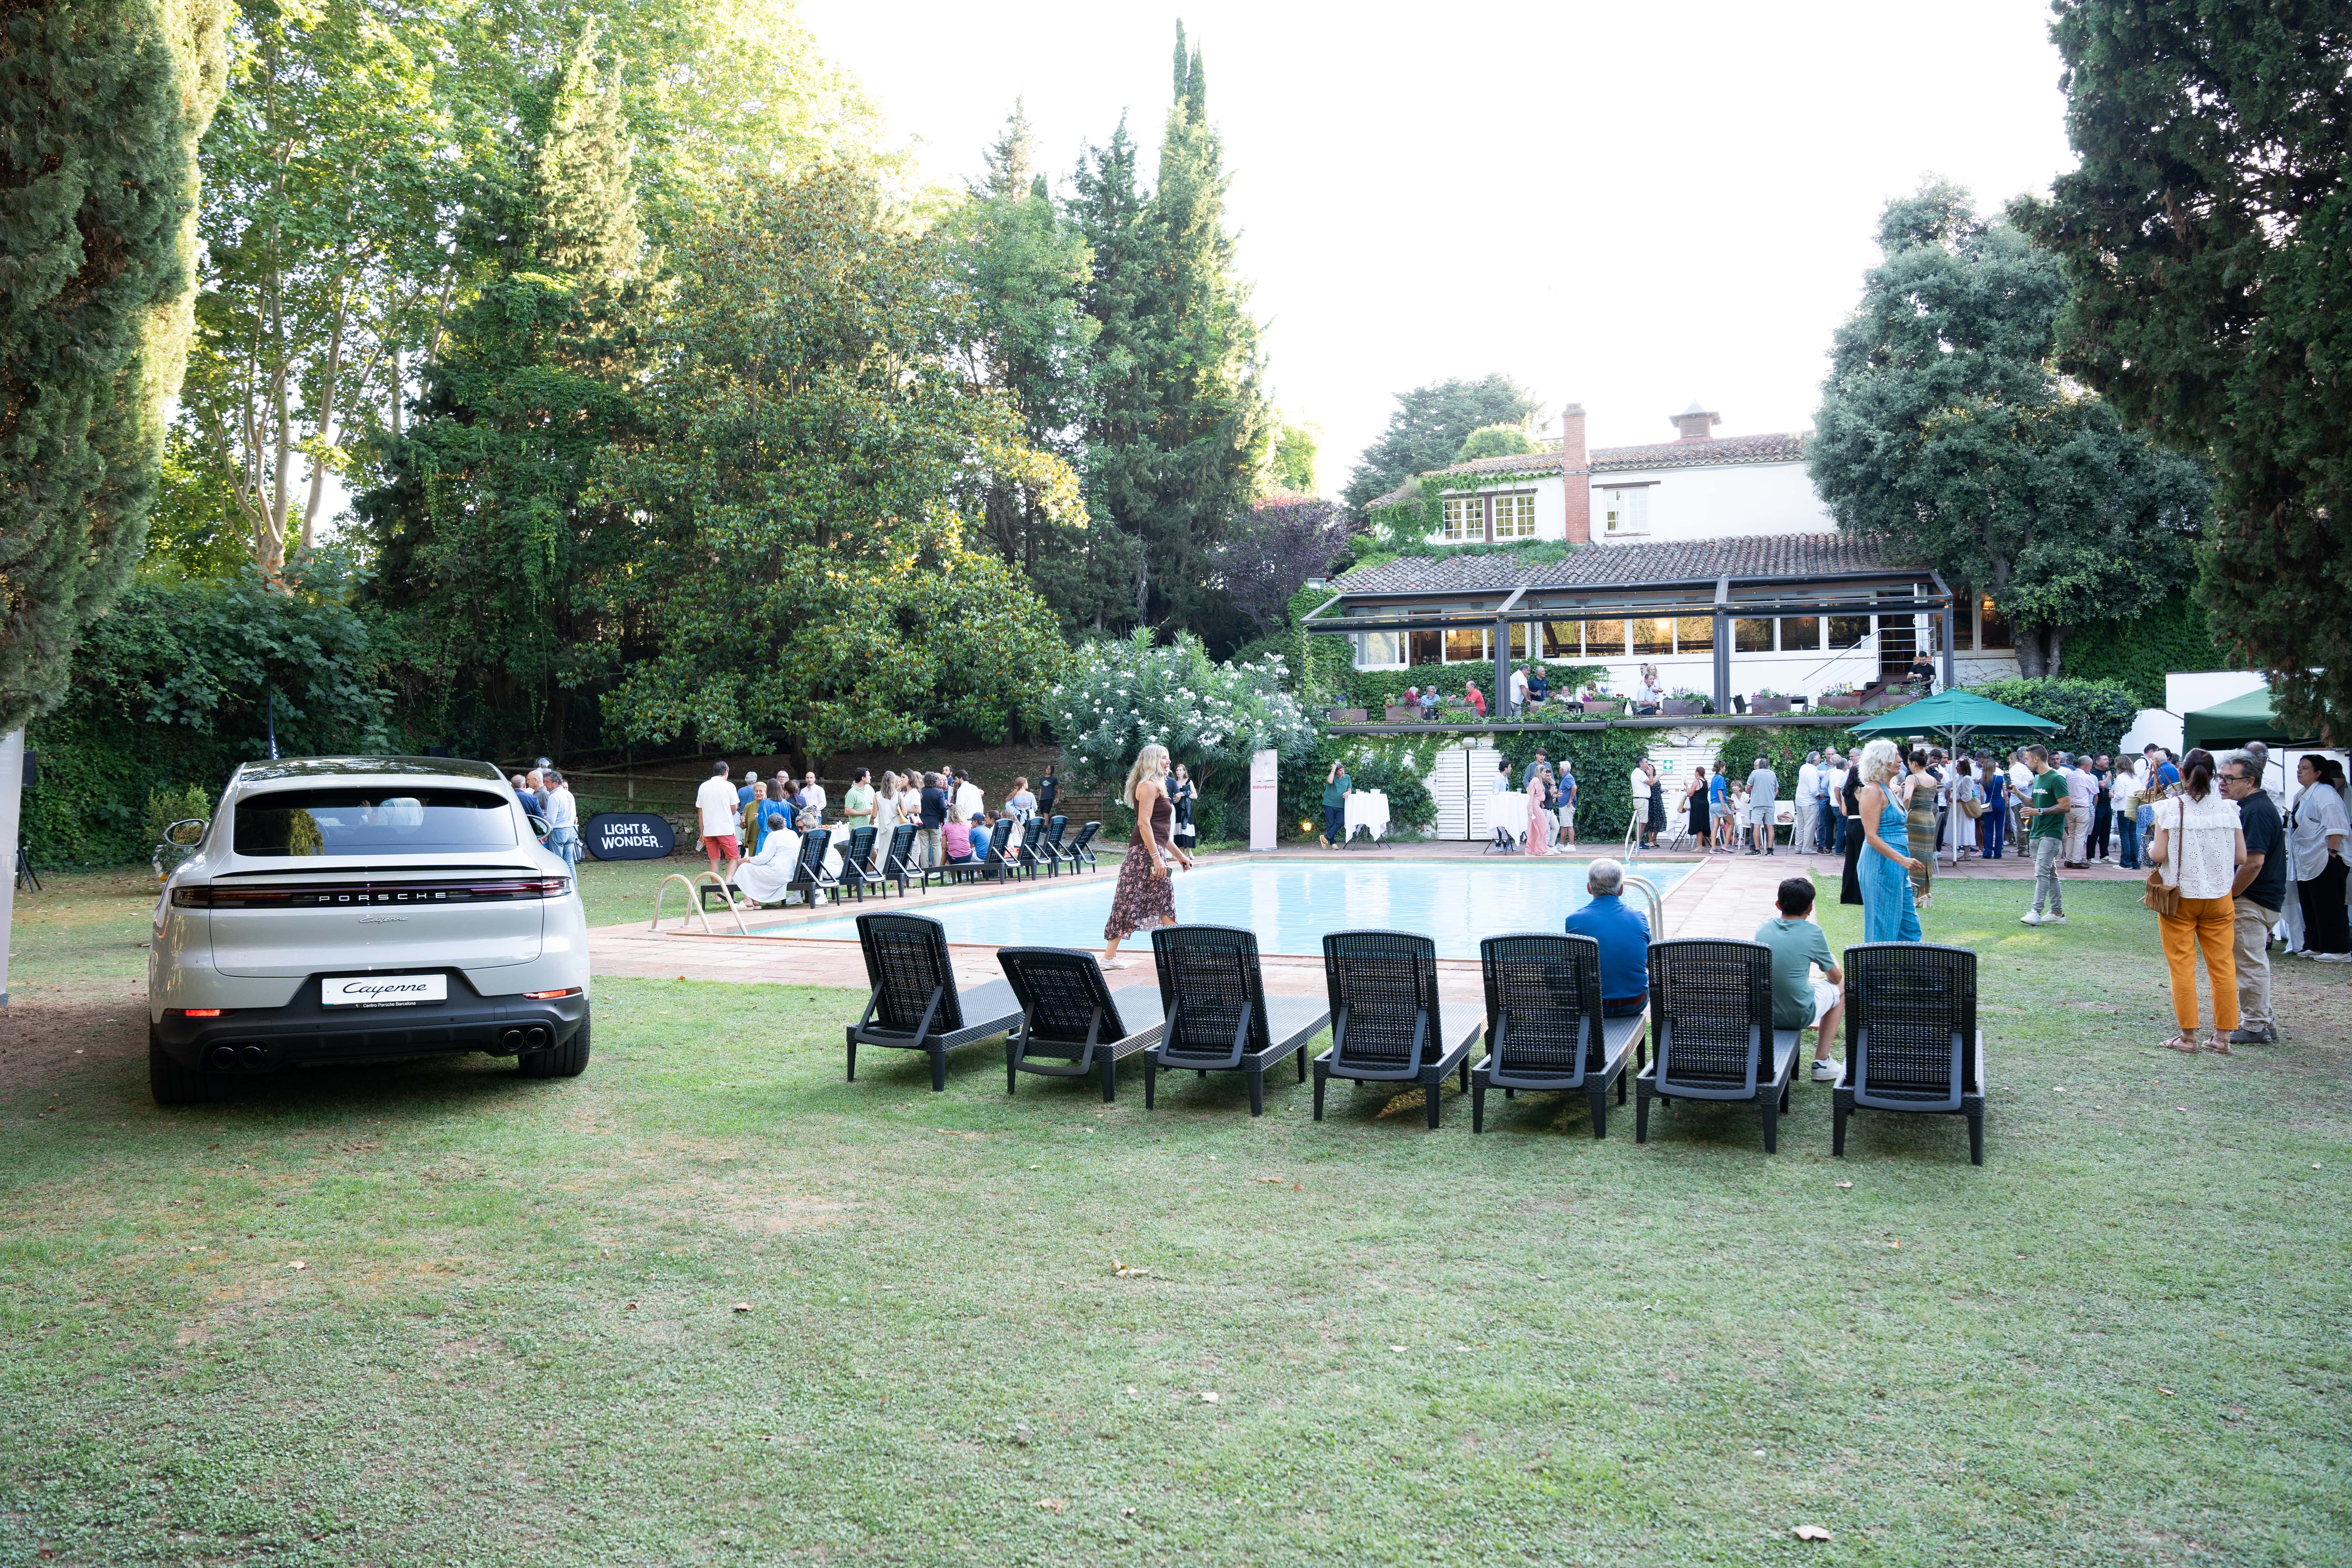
551,995
201,1012
352,895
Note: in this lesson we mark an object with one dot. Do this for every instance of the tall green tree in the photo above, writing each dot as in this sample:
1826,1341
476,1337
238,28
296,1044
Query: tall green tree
2209,227
359,140
477,527
1428,429
1180,425
1947,429
783,557
1025,264
103,103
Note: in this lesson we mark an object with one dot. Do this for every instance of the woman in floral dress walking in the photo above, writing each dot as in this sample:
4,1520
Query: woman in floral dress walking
1145,899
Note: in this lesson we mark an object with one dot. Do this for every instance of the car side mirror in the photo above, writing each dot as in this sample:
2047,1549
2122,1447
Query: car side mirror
187,832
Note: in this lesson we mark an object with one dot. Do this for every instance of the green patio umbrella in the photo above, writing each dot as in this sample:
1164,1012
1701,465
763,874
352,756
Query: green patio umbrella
2235,723
1954,713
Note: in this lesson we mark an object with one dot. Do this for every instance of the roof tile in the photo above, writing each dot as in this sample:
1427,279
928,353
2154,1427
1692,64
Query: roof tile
1794,556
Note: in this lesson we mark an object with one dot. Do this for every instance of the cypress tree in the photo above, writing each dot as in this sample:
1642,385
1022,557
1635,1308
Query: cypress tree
101,105
1182,422
478,524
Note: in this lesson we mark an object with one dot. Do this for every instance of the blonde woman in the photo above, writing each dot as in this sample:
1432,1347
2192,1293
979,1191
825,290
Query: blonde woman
886,809
1146,898
1888,913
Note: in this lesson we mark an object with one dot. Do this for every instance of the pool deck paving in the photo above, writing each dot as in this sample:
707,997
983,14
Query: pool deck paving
1723,896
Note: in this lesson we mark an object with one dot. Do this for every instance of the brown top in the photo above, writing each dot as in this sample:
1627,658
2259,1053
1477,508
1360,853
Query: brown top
1163,823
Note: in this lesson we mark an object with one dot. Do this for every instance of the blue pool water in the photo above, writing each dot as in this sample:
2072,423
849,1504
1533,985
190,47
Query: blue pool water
1290,904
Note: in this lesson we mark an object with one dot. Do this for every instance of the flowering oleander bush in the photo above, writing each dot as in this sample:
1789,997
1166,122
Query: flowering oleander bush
1119,697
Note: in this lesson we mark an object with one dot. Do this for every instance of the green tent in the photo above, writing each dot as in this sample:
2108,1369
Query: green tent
2235,723
1953,712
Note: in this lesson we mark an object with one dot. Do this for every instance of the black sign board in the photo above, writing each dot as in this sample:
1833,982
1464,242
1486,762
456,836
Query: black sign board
626,836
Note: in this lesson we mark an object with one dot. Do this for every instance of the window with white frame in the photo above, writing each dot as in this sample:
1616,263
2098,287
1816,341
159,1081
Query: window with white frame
1380,650
1465,519
1625,509
1514,516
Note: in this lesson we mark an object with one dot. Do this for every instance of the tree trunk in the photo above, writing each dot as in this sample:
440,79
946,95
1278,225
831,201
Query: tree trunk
2039,650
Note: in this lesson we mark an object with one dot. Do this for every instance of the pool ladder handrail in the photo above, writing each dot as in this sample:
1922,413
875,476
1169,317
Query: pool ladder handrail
1649,891
694,907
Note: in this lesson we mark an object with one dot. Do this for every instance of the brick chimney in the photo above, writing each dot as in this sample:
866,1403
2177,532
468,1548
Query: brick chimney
1697,424
1578,471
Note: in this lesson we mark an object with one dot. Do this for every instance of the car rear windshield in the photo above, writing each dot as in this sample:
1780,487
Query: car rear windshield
399,820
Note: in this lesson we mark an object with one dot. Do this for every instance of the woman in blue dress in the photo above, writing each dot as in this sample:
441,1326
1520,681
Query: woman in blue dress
1888,913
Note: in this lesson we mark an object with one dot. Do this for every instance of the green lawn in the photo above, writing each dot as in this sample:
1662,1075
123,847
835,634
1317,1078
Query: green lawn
515,1340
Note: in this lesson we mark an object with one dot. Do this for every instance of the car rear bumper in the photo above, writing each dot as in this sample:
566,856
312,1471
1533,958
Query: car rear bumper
306,1031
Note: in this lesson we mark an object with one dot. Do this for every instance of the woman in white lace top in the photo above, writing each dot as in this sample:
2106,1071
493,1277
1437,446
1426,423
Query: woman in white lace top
2196,849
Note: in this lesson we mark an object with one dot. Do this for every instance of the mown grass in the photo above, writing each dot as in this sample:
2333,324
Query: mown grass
514,1338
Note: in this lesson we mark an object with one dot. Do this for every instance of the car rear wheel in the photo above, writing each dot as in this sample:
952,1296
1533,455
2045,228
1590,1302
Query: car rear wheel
569,1059
173,1084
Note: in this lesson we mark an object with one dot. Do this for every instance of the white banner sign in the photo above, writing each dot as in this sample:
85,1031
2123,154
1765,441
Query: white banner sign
1264,806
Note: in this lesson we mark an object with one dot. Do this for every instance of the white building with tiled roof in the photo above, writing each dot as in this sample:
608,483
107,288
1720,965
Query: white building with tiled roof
1692,510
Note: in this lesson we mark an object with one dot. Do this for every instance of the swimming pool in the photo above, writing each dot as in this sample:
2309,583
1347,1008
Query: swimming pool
1290,904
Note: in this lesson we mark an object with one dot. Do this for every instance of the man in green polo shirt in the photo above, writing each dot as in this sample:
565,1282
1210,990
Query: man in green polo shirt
2046,808
1800,1001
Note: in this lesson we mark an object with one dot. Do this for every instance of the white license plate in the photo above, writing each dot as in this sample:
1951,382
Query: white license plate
382,990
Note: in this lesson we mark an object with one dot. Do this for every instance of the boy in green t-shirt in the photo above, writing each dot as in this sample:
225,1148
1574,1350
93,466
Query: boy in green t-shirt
2047,809
1797,999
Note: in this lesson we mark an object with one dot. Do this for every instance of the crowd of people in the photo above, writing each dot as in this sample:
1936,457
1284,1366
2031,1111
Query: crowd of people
545,796
757,825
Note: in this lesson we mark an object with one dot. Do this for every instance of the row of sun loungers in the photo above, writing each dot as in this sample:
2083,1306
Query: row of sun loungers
1912,1043
862,868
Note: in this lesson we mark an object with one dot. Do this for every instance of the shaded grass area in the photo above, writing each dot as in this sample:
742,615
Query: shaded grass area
515,1340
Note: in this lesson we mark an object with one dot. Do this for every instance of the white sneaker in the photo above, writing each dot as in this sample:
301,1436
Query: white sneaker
2333,957
2030,917
2053,918
1827,1071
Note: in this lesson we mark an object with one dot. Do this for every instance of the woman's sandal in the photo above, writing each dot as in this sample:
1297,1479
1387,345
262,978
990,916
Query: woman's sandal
2218,1047
2182,1043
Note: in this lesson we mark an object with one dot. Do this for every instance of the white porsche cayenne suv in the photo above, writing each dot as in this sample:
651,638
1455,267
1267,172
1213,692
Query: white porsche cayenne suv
344,909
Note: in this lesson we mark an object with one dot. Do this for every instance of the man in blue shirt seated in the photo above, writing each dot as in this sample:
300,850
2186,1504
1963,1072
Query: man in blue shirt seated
1623,934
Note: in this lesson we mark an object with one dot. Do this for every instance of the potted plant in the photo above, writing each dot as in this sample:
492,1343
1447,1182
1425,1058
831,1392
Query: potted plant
1347,715
1767,701
1682,703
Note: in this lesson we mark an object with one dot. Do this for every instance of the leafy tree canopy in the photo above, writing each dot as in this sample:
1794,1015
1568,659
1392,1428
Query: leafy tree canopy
1428,429
783,555
1121,696
2209,228
1947,429
1494,441
1278,545
102,107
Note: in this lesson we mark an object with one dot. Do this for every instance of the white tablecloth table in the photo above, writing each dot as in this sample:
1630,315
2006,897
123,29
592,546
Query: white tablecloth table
1368,809
1507,810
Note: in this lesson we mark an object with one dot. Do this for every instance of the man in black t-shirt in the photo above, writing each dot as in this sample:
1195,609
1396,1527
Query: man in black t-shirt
1049,789
932,848
2257,895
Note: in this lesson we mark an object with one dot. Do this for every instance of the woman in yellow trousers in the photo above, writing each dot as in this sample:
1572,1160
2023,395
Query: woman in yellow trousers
2198,849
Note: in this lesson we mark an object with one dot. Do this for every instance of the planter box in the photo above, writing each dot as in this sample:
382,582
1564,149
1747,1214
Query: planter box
1768,705
1674,710
1404,715
1844,703
1610,706
1347,715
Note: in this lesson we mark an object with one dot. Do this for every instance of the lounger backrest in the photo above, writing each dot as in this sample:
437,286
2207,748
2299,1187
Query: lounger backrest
1710,1011
906,963
1054,827
1000,840
1383,991
1543,1001
902,845
1086,836
814,844
1063,993
1208,974
1911,1024
860,852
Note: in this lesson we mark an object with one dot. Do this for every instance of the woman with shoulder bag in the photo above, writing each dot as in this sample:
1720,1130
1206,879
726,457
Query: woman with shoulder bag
1183,792
2196,849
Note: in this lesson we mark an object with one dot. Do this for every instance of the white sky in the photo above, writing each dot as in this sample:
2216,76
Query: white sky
1624,206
